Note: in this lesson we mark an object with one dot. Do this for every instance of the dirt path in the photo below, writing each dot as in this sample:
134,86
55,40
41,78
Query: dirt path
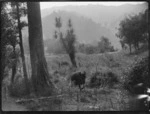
11,105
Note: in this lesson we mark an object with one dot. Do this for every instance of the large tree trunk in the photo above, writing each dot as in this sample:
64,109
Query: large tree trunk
40,76
22,50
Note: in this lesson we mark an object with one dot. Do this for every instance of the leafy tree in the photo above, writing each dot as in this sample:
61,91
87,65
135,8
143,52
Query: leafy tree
81,48
122,44
8,37
145,26
68,40
132,29
104,45
18,10
5,23
40,75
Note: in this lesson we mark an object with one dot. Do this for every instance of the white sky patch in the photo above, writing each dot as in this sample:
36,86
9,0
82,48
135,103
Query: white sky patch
45,5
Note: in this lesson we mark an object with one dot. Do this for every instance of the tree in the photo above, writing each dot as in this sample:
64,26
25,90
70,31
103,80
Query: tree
68,41
40,75
19,10
132,29
105,45
9,37
5,23
90,49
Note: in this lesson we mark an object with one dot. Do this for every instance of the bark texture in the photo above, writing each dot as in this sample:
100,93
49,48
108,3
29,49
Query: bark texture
40,75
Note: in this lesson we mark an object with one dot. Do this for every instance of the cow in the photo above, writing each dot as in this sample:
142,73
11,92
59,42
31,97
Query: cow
78,79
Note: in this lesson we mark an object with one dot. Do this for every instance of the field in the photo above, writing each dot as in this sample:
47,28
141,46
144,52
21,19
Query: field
105,97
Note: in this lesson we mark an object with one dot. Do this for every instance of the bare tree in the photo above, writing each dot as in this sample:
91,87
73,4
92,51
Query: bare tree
68,41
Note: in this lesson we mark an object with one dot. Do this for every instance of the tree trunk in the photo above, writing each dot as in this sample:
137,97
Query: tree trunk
138,45
13,72
72,58
71,54
22,51
13,66
130,48
135,47
40,76
3,58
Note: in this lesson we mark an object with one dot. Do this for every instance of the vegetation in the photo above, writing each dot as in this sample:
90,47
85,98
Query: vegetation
19,10
133,30
42,82
40,76
138,74
68,41
104,45
99,79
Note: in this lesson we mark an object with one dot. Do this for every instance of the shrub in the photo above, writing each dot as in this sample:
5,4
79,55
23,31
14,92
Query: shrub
18,89
103,79
138,74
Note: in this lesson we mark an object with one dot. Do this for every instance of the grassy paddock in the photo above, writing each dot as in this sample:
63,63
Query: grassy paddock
99,98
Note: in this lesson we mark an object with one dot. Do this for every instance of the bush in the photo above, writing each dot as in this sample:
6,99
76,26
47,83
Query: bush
18,87
103,79
138,74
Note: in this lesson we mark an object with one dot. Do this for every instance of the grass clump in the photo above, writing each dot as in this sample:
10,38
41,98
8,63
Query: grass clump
18,88
99,79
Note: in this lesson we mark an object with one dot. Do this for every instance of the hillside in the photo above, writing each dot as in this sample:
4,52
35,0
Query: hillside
100,13
90,22
85,29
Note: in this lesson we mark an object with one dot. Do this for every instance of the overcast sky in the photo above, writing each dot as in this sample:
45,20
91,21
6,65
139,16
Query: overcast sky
53,4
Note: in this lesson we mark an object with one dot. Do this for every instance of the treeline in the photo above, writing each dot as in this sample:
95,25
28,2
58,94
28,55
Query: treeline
103,45
133,31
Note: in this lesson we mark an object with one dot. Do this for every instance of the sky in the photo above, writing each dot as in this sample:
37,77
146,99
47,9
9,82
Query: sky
45,5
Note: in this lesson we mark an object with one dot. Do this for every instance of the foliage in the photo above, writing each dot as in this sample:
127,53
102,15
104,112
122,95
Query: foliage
132,29
104,45
139,74
8,34
99,79
18,88
90,49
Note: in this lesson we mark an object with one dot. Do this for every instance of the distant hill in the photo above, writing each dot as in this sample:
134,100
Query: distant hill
85,29
90,22
100,13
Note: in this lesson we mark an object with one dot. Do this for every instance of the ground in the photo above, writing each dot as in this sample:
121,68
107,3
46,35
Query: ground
114,98
11,105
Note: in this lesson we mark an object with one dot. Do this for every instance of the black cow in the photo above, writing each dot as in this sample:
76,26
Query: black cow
78,78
